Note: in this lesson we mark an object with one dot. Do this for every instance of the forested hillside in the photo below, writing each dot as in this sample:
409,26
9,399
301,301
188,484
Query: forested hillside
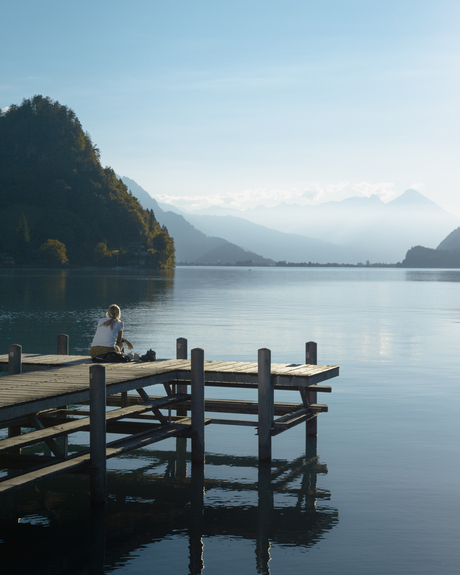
58,204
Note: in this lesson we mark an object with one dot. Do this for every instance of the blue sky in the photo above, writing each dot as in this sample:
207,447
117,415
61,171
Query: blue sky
241,103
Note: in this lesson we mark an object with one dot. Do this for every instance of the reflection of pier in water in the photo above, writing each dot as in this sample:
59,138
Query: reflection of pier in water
160,501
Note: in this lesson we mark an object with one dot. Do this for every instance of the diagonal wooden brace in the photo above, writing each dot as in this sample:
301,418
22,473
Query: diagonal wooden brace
156,411
49,442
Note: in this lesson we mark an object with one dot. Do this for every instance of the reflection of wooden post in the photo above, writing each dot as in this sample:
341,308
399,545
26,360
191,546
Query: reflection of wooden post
311,425
14,359
265,404
308,489
97,435
97,543
264,514
196,519
181,442
197,381
63,344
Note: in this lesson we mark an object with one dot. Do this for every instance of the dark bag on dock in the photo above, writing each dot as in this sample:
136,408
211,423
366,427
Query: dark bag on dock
111,357
149,356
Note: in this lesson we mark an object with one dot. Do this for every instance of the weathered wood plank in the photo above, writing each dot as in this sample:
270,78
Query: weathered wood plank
58,430
27,393
238,422
114,449
211,405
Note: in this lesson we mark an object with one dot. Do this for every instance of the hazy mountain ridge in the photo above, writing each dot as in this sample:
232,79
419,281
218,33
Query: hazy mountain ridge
192,245
364,228
384,231
275,244
451,242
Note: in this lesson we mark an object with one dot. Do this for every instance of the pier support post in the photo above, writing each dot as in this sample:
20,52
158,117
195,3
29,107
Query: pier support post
14,368
181,348
265,404
63,349
311,358
14,359
197,381
63,344
181,442
181,353
97,435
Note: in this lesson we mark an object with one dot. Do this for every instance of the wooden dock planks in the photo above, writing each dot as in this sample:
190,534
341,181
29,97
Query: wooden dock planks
28,393
39,399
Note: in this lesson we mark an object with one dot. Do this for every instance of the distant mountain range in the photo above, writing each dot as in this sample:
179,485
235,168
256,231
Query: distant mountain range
384,231
357,229
192,245
205,239
277,245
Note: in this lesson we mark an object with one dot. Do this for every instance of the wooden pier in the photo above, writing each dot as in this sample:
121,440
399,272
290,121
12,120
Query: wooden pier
51,394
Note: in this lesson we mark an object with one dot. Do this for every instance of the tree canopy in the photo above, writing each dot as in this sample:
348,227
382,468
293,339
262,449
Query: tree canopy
53,187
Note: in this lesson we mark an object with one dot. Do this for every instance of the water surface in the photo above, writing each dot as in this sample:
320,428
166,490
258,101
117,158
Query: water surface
377,494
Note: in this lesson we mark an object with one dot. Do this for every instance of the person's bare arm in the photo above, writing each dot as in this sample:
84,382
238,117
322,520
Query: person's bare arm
120,340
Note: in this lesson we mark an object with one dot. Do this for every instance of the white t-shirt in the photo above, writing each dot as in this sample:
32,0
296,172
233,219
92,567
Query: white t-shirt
106,336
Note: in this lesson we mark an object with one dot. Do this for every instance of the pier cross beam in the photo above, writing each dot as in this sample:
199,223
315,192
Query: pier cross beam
97,435
265,404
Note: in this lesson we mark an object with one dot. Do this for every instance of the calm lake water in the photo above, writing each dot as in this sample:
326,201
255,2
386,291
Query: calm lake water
378,493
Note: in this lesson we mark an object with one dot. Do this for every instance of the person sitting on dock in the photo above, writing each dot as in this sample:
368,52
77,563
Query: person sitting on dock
109,334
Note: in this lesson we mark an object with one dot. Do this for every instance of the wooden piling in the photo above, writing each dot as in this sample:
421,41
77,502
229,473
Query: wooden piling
311,358
63,349
181,348
14,368
181,442
265,403
14,359
97,433
197,401
181,353
63,344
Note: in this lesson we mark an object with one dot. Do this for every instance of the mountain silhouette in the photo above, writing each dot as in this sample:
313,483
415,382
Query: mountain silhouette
192,245
383,231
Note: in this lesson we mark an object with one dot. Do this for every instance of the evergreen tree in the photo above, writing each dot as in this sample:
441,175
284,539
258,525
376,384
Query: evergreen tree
50,175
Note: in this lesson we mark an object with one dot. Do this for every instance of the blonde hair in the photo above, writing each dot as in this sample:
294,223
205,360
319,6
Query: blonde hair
113,314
